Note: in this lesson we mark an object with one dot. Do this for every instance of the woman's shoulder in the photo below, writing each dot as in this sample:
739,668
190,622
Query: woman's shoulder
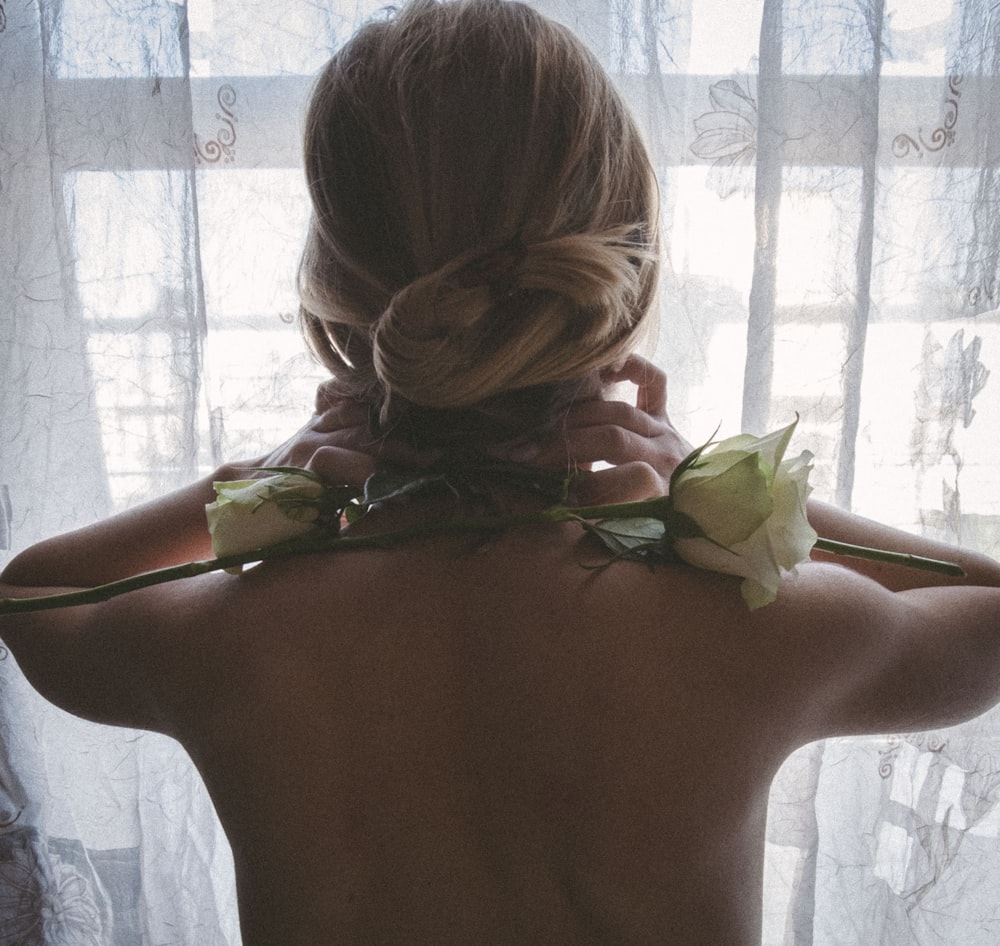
526,598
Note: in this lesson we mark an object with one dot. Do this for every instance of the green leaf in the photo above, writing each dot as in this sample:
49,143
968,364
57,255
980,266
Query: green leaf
622,536
353,513
389,484
472,476
689,462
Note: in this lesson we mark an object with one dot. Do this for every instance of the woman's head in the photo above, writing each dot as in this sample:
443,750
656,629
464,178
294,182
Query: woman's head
484,214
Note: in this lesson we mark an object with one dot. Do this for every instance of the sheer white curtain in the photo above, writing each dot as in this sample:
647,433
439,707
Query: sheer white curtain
831,209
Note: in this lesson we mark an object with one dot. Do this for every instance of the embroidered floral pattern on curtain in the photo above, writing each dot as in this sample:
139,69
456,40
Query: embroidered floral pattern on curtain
832,217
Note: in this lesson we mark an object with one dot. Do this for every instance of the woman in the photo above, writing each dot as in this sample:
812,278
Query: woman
485,742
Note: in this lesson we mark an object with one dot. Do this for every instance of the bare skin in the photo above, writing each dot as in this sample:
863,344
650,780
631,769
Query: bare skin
449,743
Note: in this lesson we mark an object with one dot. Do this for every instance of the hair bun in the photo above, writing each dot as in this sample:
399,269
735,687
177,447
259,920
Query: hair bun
520,315
415,340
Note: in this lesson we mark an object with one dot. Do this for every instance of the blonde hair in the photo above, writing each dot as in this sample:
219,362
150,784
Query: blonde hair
484,212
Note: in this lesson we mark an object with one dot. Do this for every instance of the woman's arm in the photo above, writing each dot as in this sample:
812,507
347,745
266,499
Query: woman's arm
833,523
847,656
850,646
172,529
166,531
643,447
106,662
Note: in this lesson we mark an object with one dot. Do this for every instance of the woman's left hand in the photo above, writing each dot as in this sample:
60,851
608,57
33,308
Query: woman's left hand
638,441
337,443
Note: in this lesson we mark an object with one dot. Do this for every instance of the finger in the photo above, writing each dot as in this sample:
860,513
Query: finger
596,413
650,380
602,431
629,482
580,449
347,438
337,465
340,413
618,446
328,393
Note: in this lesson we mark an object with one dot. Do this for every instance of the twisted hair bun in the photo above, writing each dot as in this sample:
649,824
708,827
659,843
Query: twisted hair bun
521,316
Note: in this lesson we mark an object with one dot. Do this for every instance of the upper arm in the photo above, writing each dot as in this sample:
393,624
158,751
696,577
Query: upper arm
95,661
869,660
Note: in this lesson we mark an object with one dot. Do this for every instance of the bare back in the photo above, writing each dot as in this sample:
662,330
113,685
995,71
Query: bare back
449,743
462,742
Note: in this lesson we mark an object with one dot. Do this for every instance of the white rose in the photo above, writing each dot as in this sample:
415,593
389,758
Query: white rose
750,505
252,514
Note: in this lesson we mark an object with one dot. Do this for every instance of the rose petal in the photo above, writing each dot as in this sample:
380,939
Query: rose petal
728,504
752,502
252,514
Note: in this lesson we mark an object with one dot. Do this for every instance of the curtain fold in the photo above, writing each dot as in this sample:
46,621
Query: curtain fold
831,219
857,318
770,135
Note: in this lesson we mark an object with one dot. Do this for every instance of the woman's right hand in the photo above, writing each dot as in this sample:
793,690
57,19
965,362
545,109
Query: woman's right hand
336,443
